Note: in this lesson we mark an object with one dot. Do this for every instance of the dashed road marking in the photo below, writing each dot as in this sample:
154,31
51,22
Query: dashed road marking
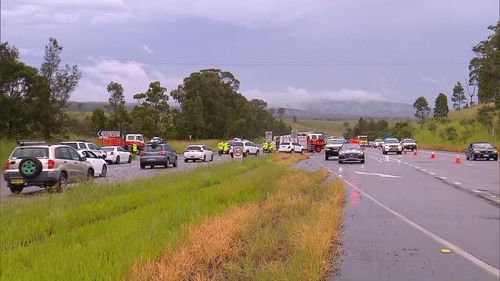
459,251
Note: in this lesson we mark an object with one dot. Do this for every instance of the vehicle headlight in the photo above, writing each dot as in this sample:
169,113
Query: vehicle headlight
495,151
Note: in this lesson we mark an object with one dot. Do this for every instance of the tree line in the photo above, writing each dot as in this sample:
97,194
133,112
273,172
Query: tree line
210,104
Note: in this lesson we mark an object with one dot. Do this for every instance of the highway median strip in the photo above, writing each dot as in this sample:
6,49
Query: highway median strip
291,235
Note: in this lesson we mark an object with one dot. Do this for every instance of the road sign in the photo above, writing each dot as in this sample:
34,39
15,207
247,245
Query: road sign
238,153
269,136
107,134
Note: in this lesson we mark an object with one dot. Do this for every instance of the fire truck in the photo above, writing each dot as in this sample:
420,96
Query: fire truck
311,141
114,138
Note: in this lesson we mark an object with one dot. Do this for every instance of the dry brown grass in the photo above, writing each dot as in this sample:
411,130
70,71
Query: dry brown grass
286,159
290,236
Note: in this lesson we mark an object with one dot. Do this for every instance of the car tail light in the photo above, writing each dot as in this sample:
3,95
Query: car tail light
7,164
52,164
162,153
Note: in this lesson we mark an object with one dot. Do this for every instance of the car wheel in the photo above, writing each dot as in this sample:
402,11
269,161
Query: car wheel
341,162
495,158
384,152
211,158
104,170
90,175
62,183
16,189
327,157
117,160
467,156
185,160
129,159
257,153
362,161
143,166
474,157
302,151
30,167
152,166
204,158
175,163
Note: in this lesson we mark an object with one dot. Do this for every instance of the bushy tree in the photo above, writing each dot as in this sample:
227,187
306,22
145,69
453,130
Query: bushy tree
152,109
441,107
422,109
98,120
119,117
484,68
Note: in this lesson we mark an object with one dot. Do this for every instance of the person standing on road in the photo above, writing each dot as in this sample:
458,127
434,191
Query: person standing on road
134,148
220,148
272,146
265,147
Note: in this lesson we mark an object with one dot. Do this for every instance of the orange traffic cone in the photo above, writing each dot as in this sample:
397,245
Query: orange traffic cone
433,156
458,160
415,152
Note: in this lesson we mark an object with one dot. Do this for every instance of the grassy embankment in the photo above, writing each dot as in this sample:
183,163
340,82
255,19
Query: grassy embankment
275,220
328,127
429,137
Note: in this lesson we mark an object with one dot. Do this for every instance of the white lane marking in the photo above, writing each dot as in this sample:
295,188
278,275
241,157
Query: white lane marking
443,178
457,182
433,173
377,174
469,165
374,158
459,251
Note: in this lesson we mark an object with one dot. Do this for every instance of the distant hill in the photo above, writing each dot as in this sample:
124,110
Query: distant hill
90,106
330,109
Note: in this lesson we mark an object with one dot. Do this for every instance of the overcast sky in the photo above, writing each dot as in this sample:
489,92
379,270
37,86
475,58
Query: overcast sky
283,51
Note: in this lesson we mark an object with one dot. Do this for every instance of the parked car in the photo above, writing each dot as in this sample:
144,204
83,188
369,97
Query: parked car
483,150
291,147
157,140
117,154
86,145
378,143
198,152
409,144
332,147
158,155
351,153
45,165
392,145
249,148
98,164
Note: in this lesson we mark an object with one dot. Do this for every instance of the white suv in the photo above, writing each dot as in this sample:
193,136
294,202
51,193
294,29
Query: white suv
85,145
44,165
392,145
249,148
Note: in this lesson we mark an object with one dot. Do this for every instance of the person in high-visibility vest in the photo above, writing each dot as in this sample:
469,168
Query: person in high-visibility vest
265,147
272,146
134,148
220,147
226,147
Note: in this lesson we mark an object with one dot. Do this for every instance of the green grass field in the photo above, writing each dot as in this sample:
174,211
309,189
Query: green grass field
100,232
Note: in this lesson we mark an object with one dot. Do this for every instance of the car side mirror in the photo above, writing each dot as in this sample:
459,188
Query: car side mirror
83,158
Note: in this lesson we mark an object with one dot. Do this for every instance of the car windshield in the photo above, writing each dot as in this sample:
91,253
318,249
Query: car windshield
193,148
335,141
108,148
378,140
482,145
285,143
351,147
391,141
408,140
152,148
237,143
24,152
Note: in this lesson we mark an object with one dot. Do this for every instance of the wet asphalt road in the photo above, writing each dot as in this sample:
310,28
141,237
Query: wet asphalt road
400,212
116,172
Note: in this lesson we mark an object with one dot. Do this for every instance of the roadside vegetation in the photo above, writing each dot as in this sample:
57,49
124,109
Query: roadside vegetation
107,232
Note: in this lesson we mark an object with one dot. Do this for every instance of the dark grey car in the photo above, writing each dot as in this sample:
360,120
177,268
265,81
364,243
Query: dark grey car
351,153
158,155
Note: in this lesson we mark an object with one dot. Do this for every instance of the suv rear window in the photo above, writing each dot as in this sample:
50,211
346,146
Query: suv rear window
24,152
193,148
152,148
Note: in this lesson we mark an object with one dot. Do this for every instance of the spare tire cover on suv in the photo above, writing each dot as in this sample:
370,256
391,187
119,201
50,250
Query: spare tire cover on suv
30,167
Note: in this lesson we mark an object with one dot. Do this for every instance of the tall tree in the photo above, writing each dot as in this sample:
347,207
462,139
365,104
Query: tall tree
119,117
98,120
458,96
441,107
484,69
62,80
422,109
153,105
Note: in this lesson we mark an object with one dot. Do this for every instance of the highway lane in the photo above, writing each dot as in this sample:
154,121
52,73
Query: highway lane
397,219
116,172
